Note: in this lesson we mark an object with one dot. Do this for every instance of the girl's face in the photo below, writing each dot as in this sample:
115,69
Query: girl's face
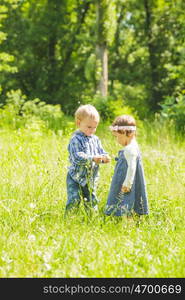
87,126
122,139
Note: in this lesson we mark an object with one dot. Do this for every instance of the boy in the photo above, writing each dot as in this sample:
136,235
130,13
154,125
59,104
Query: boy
85,155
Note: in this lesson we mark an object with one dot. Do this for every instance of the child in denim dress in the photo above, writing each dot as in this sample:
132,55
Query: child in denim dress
128,189
85,155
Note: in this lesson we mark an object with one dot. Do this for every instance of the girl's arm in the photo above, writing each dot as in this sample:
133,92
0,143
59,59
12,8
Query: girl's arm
131,157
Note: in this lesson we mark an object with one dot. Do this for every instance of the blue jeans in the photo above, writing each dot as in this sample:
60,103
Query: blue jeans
76,193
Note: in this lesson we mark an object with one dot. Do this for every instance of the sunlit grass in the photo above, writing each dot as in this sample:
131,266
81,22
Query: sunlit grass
36,240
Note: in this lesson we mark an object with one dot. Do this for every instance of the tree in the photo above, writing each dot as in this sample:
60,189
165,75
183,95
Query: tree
66,51
6,59
49,42
106,25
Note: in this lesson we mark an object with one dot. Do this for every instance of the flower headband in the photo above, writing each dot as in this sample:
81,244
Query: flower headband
116,128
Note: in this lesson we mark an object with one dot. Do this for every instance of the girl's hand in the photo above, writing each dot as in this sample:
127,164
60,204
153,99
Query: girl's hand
125,189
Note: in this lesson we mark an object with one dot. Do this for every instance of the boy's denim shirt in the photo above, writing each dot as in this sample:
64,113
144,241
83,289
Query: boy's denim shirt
82,149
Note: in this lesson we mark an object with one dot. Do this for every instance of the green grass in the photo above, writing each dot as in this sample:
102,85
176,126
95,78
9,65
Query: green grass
36,240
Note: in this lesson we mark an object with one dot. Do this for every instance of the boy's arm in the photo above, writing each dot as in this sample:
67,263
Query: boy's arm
131,157
100,148
105,158
77,153
79,156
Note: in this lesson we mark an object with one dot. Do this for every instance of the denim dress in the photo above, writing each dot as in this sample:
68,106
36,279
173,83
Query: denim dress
119,203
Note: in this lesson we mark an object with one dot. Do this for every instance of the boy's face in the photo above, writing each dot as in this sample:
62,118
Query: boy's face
87,126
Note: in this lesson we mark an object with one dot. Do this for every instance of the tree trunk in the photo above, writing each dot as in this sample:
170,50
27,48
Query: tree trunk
101,53
102,56
155,93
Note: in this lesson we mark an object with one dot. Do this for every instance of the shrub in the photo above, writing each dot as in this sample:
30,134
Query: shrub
173,109
18,111
109,108
135,96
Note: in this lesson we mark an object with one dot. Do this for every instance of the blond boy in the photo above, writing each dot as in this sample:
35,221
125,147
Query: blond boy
85,155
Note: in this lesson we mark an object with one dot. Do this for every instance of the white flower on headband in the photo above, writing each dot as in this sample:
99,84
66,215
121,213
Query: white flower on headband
128,127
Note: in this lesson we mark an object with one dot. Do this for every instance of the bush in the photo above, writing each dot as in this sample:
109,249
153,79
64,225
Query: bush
135,96
173,109
109,108
19,112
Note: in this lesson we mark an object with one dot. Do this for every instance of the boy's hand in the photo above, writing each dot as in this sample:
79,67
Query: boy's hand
125,189
97,159
106,159
101,159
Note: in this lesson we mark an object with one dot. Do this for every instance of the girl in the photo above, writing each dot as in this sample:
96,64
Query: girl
128,190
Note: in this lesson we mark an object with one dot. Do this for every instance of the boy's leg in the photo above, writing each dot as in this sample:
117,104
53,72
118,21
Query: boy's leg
73,194
90,198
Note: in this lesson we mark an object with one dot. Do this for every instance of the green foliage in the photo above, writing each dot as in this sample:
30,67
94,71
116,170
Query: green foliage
110,108
10,112
106,27
48,50
90,68
57,44
18,112
5,58
134,96
173,109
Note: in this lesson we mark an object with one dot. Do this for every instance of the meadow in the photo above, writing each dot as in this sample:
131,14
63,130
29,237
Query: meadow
37,241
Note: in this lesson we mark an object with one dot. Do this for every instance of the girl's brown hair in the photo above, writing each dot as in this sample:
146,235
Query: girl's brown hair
124,120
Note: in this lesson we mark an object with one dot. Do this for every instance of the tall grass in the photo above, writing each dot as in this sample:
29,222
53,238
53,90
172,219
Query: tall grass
37,241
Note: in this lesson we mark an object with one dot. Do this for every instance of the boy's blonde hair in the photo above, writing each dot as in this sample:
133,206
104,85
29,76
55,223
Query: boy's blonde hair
87,111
